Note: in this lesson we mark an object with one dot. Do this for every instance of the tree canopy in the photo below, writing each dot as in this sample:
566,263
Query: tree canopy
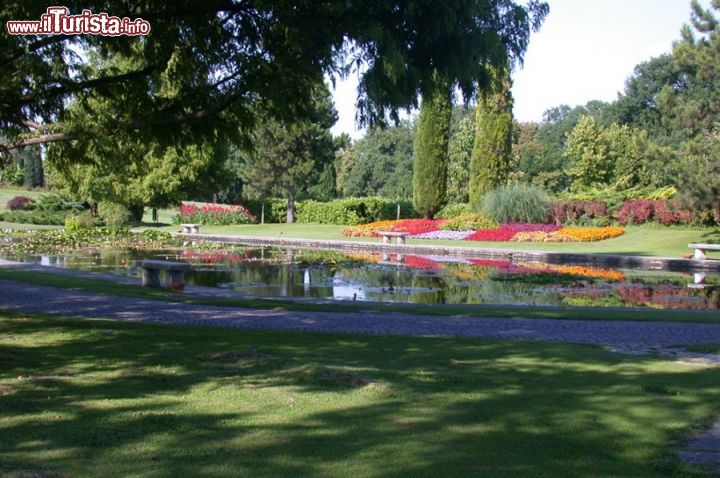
215,65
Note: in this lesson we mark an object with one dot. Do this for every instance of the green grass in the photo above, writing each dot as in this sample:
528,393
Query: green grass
638,240
7,193
500,311
98,398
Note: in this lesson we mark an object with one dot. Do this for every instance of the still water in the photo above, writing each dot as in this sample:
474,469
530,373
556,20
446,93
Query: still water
274,272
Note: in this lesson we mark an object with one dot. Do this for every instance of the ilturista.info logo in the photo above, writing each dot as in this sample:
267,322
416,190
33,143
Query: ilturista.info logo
58,21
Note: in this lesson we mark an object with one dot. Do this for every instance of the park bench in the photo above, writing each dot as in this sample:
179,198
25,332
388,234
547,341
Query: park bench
151,273
387,236
701,248
191,228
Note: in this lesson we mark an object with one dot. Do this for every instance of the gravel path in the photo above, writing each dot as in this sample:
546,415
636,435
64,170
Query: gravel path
626,336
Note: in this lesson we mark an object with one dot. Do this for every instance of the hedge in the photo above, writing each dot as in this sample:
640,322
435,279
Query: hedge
348,211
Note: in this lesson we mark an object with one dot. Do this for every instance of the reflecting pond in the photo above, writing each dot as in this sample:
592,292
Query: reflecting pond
274,272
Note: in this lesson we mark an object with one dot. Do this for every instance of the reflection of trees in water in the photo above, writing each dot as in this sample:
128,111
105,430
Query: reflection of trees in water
282,272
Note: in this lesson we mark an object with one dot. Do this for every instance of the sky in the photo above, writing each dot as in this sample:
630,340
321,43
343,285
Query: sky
585,50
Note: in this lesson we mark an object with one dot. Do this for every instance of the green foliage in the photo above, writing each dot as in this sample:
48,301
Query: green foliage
614,197
470,222
78,222
114,215
351,211
155,235
459,155
57,202
592,163
490,162
454,210
287,158
50,218
517,203
431,150
211,68
699,178
275,209
12,174
379,164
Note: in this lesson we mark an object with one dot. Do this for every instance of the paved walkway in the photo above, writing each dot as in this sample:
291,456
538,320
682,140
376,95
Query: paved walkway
623,335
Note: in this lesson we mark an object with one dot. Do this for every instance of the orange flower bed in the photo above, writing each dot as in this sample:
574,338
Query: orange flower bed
585,234
571,234
369,230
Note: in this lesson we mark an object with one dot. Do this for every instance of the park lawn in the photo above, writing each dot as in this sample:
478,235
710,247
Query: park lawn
7,193
104,398
99,286
637,240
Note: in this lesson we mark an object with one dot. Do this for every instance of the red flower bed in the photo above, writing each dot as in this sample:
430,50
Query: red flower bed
507,231
418,226
214,214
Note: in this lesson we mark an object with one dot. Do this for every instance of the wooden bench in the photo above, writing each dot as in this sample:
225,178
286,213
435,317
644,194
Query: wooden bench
191,228
151,273
387,236
701,248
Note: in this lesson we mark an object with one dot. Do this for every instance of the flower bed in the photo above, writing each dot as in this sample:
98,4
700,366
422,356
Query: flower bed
410,226
368,230
520,232
507,231
571,234
214,215
445,235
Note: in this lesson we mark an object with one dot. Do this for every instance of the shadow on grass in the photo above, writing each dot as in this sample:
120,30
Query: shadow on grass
104,398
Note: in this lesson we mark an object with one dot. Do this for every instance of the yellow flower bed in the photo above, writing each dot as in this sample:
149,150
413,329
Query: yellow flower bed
368,230
571,234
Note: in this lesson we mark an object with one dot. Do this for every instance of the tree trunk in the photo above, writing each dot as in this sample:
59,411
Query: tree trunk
716,211
291,205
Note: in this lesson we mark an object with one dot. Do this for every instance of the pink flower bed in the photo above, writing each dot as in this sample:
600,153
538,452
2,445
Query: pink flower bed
507,231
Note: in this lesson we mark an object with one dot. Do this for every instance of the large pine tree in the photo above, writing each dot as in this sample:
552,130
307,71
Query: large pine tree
490,162
431,150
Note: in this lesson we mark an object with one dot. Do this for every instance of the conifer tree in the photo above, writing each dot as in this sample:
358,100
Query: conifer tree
490,162
431,150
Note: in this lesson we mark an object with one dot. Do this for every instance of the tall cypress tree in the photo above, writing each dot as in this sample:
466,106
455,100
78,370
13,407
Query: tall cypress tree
431,150
490,162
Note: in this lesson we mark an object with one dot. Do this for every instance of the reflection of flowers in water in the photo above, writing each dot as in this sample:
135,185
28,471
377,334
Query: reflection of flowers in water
583,271
667,296
418,262
214,256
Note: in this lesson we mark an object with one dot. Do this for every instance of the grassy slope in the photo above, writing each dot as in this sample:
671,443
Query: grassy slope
7,193
99,398
498,311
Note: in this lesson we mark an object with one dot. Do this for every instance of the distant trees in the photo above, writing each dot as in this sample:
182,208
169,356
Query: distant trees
379,164
288,158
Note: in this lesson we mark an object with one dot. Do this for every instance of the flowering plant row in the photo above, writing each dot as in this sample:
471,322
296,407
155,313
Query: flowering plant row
521,232
214,214
410,226
571,234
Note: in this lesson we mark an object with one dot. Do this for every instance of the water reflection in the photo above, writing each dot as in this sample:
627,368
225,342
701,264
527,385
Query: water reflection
264,271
